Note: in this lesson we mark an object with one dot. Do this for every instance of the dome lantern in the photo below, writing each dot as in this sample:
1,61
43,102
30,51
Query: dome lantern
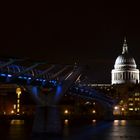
125,47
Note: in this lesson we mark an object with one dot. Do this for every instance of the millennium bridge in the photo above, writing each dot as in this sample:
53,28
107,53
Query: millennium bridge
35,77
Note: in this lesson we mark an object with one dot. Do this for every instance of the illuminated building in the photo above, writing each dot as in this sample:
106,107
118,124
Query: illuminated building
125,86
18,92
125,68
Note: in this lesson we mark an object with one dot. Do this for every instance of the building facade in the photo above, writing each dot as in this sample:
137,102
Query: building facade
125,68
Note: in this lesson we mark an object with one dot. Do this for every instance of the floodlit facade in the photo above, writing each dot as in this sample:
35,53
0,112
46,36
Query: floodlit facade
125,68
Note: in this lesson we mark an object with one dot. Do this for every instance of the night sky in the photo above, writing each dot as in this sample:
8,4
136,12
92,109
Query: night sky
88,33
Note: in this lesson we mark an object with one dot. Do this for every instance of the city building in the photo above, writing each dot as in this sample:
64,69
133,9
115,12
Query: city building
125,68
125,86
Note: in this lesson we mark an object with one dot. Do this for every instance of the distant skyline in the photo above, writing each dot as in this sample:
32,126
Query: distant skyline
89,34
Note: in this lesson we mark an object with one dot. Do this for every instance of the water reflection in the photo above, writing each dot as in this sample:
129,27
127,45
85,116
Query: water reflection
123,122
93,122
66,128
17,122
119,122
116,122
66,121
103,130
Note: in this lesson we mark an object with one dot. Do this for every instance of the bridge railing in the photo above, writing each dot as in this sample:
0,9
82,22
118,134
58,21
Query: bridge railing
13,73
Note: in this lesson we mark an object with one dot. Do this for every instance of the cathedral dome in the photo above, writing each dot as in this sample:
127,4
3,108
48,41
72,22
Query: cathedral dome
125,60
125,68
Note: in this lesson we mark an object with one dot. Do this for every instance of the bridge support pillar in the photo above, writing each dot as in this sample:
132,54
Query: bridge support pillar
47,121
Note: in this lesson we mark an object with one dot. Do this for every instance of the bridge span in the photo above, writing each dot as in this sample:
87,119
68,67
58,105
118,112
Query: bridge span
61,78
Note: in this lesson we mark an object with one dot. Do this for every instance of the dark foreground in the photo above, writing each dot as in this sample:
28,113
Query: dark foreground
115,130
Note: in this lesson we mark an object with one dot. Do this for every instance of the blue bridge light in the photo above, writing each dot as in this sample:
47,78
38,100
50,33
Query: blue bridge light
5,75
20,77
29,78
25,77
58,92
2,74
9,75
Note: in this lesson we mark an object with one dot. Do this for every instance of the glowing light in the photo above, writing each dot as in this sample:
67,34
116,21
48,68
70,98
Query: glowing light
68,75
14,106
122,109
93,111
121,102
137,94
131,104
18,91
18,110
116,122
3,75
66,111
136,109
9,75
58,92
86,103
94,121
12,112
35,91
116,107
131,109
20,77
136,99
18,101
66,122
117,110
123,122
53,81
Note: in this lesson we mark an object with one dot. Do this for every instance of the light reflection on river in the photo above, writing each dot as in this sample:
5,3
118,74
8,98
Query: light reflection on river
116,130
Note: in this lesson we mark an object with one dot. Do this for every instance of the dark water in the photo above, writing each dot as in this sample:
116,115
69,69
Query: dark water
115,130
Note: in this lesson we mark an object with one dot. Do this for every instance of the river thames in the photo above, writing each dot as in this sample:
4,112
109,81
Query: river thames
115,130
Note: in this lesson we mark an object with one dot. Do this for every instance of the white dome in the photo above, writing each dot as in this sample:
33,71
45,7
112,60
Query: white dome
125,68
125,61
